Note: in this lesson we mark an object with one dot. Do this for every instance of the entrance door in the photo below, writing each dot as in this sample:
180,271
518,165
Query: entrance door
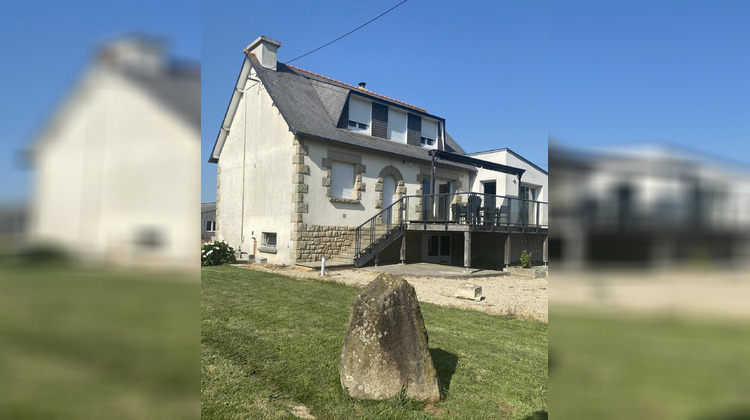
490,190
389,190
436,249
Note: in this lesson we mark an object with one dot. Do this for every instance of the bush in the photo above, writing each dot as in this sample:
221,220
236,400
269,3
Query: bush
42,254
217,253
525,259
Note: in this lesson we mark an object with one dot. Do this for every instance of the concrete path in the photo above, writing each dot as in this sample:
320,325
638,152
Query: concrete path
434,270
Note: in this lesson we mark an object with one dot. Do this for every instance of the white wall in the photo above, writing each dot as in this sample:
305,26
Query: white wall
260,135
118,162
322,211
506,183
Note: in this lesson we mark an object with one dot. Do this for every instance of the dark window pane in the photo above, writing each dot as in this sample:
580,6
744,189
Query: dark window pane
445,245
432,248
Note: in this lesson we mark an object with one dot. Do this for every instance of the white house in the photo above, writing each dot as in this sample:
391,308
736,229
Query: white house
116,167
653,204
311,167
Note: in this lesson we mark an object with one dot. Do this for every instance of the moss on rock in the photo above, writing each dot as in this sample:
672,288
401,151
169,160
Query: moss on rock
385,348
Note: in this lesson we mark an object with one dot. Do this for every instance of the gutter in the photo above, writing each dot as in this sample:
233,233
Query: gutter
231,110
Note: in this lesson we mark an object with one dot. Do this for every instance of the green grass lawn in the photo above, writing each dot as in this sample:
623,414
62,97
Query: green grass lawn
619,366
270,342
97,344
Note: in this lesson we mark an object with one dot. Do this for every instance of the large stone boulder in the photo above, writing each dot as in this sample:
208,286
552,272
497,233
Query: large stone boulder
385,349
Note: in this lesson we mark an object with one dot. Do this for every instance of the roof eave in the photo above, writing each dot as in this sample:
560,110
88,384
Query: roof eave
371,149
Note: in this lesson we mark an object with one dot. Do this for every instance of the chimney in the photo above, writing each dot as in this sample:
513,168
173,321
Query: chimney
141,53
264,49
362,85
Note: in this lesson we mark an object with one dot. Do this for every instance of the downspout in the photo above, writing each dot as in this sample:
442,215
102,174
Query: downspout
518,193
242,92
244,166
432,185
432,175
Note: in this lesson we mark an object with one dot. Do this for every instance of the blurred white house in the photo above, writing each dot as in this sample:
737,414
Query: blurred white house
116,166
653,204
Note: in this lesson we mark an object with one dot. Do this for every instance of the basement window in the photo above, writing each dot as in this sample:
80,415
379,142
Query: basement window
268,242
360,116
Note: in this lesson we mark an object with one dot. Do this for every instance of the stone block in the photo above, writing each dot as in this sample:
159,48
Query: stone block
469,291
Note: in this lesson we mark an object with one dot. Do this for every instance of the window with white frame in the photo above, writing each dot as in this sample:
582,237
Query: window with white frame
210,226
342,180
360,116
429,134
397,125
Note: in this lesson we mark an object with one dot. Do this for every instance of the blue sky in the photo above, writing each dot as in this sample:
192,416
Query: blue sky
643,71
482,67
502,74
47,45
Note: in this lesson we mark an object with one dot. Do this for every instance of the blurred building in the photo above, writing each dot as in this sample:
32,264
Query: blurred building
208,221
13,222
653,205
116,167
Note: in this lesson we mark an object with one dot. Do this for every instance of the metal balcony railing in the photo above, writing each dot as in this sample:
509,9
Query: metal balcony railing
494,212
479,211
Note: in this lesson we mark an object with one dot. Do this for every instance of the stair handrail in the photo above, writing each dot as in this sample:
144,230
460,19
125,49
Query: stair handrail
389,228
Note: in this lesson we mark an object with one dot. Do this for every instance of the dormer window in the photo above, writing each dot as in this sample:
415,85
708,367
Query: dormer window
396,126
360,116
429,134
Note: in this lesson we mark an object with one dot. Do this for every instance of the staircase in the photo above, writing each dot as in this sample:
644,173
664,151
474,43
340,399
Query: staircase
343,258
374,235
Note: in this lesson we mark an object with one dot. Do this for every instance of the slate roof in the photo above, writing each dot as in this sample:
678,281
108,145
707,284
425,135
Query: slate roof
312,105
178,88
207,207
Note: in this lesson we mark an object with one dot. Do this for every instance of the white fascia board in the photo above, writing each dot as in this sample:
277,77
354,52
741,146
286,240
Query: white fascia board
231,110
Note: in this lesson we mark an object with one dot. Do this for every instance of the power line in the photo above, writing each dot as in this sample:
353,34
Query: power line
349,33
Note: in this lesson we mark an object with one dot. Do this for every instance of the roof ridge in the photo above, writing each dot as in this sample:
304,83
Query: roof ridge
357,88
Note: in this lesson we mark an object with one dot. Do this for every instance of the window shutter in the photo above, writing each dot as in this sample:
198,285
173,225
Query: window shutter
359,111
397,126
429,129
342,180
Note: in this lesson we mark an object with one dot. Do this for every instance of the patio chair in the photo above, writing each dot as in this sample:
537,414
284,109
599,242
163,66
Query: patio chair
473,209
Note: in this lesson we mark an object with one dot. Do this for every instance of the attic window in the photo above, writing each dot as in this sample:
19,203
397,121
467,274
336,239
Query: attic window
429,134
360,116
396,126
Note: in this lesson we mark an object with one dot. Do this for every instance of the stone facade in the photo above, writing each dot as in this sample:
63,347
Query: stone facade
314,242
299,190
400,192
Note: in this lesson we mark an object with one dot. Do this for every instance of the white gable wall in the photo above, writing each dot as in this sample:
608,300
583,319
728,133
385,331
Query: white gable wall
118,164
256,158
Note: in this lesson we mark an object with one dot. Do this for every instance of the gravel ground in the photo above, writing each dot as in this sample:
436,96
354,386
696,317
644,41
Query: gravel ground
514,295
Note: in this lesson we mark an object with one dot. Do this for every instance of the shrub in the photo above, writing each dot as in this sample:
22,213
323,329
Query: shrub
525,259
42,254
217,253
